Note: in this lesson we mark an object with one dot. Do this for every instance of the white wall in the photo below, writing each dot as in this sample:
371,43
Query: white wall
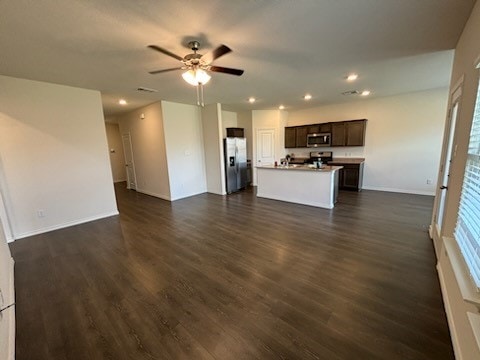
403,138
213,149
149,152
54,156
229,120
115,149
269,119
244,120
467,55
184,145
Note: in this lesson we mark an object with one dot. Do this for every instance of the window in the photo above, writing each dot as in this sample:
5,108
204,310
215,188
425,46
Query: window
467,231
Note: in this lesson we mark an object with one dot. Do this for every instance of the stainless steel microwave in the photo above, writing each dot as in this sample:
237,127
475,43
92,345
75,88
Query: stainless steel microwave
316,140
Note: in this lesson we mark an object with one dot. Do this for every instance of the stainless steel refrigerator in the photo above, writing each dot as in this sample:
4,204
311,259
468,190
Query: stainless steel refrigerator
235,163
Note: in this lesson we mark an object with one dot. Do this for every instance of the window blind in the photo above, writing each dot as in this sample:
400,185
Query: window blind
467,231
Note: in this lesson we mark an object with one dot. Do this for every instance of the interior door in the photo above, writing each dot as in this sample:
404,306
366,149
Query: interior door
7,299
265,147
129,164
445,171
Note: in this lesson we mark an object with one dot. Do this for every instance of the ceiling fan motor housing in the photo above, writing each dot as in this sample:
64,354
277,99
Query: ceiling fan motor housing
194,45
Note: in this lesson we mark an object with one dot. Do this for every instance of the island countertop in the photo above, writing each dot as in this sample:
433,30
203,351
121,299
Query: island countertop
301,184
294,167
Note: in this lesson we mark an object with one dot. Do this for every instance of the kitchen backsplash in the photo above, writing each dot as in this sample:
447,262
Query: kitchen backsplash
353,152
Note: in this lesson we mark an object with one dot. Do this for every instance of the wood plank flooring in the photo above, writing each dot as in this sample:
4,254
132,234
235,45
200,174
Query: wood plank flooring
237,277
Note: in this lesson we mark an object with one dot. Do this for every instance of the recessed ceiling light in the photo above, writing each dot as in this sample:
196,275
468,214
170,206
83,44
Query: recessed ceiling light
352,77
251,99
307,97
281,107
365,93
122,102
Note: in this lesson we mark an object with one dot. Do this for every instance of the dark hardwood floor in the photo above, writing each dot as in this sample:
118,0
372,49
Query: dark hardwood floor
212,277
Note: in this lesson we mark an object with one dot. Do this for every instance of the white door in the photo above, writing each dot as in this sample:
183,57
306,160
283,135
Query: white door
129,164
265,152
445,171
265,147
7,299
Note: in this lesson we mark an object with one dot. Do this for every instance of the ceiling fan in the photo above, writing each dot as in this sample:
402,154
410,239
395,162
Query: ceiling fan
197,66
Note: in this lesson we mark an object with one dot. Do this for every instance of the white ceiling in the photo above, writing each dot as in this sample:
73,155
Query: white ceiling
286,47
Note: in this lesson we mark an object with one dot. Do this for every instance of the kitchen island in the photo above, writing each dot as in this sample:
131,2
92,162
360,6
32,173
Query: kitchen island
302,184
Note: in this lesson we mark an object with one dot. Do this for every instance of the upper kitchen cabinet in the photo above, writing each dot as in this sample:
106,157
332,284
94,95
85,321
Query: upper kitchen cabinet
349,133
313,129
290,137
325,128
301,136
338,134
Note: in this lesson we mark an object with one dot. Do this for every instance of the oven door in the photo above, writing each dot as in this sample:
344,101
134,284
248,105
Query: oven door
316,140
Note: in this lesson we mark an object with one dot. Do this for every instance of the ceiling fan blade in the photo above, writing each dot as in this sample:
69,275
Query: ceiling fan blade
225,70
164,70
164,51
216,53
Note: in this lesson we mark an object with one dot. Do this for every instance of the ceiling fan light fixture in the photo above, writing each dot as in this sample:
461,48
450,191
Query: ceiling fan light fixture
251,100
196,77
352,77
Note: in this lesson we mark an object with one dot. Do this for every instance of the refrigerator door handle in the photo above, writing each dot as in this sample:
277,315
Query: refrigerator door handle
236,159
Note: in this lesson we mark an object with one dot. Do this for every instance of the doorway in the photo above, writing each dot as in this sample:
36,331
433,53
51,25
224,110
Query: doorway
265,148
449,149
129,163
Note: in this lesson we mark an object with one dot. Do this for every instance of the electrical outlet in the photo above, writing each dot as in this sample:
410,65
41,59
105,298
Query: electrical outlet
429,181
41,213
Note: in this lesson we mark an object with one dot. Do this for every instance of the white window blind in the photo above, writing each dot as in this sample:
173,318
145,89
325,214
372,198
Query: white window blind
467,231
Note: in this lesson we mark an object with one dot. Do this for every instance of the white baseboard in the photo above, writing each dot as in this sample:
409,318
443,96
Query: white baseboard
64,225
189,195
405,191
164,197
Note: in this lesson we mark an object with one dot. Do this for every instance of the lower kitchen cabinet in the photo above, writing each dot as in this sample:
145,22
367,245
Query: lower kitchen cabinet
351,176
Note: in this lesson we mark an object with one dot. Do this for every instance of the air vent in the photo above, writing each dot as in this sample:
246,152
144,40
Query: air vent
351,92
147,90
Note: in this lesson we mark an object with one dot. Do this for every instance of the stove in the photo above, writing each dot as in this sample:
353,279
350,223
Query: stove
323,156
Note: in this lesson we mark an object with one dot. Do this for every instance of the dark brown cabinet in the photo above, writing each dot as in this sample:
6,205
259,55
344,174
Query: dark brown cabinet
349,133
343,133
290,137
355,133
313,129
338,134
325,128
301,136
350,177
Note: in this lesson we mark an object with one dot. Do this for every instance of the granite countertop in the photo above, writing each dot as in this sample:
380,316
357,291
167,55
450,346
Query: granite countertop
324,168
347,160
